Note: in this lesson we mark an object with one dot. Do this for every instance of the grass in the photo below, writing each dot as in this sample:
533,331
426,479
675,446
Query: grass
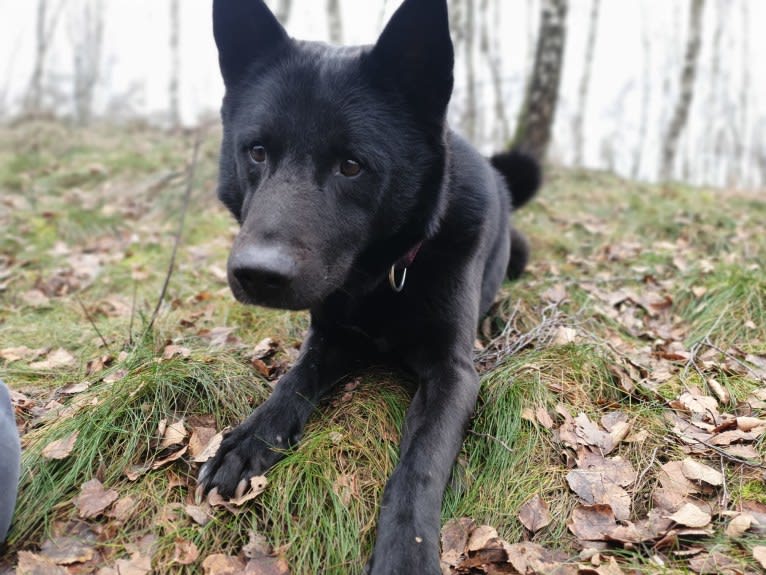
115,195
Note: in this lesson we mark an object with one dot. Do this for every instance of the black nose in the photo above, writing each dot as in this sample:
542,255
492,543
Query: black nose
263,271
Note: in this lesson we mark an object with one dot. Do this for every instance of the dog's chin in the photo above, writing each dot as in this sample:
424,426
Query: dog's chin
287,299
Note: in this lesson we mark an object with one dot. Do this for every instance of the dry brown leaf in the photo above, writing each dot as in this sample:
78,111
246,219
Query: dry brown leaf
555,294
61,448
54,360
74,388
590,434
534,514
564,335
592,522
596,487
11,354
173,434
702,405
697,471
719,390
759,554
750,423
123,509
691,516
210,449
713,564
220,564
200,438
93,499
172,351
454,536
138,564
31,564
480,537
200,514
544,417
176,455
67,550
617,469
185,552
672,478
739,525
267,566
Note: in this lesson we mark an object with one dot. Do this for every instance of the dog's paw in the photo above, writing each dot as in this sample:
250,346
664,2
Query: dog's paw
248,450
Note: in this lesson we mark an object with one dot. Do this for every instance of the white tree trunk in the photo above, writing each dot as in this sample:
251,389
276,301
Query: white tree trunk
579,119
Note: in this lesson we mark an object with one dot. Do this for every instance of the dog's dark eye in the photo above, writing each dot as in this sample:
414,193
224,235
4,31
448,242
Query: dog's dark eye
350,168
258,154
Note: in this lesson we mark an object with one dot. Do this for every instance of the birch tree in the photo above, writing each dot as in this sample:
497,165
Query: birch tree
88,38
46,21
686,93
335,21
579,118
535,124
174,84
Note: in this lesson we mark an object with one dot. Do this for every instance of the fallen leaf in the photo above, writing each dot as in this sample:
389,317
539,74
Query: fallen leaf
93,499
534,514
185,552
61,448
219,564
174,434
544,418
200,514
11,354
138,564
210,449
691,516
67,550
123,509
480,536
714,564
31,564
172,351
759,554
672,478
596,487
176,455
739,525
267,566
697,471
454,536
55,360
592,522
200,438
74,388
719,390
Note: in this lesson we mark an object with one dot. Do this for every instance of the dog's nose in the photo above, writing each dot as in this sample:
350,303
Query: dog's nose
263,270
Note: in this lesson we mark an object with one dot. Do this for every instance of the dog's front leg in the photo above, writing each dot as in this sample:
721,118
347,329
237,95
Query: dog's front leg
261,440
408,528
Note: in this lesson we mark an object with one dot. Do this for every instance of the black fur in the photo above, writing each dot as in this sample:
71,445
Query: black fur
298,120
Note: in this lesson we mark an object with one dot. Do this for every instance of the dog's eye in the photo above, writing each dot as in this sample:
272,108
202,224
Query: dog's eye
350,168
257,154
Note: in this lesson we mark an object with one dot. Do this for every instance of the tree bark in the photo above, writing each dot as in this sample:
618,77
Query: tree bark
579,119
335,21
535,124
174,84
470,115
490,51
45,26
283,10
646,91
688,76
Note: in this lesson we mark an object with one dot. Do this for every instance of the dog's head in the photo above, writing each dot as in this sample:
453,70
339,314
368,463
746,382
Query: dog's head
332,158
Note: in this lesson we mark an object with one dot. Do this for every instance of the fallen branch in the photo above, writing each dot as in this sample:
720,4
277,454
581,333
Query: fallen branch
179,232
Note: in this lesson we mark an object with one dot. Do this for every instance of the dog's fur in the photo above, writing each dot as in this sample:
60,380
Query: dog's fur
314,238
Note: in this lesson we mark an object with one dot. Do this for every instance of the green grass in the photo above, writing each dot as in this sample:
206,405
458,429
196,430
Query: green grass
117,193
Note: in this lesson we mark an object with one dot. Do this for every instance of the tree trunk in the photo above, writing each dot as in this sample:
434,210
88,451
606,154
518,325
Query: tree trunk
335,21
175,65
579,119
470,115
283,10
688,75
88,44
646,91
533,132
33,100
502,131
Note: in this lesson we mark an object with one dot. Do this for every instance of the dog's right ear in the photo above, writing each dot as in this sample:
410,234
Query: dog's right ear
245,31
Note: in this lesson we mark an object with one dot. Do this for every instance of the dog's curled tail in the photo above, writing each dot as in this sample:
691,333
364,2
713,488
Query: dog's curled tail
522,174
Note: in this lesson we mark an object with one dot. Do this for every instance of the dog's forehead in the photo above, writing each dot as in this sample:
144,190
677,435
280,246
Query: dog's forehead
315,89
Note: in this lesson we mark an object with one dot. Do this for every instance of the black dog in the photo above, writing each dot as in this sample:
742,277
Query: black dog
357,202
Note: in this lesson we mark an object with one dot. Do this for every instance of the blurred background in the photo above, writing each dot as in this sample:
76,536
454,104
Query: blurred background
649,89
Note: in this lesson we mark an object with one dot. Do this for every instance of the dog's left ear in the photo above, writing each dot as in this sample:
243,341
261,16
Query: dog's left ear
415,54
245,31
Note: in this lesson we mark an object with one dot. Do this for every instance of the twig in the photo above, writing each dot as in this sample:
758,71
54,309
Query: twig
488,436
132,313
723,453
725,494
731,356
179,232
645,470
90,319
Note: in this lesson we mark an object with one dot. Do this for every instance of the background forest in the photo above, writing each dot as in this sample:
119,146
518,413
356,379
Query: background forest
622,415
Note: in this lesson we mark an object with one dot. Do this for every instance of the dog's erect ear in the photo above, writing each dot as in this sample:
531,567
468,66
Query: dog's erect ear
245,30
415,53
